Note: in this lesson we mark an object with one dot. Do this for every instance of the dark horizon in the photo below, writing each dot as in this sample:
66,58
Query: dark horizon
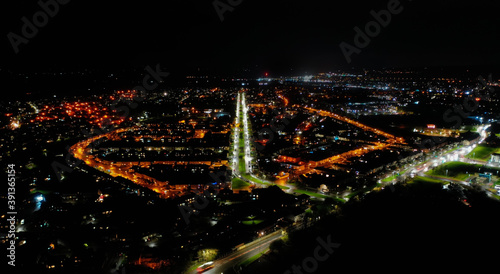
278,37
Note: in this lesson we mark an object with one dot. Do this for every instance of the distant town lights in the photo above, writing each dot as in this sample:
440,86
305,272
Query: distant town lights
15,125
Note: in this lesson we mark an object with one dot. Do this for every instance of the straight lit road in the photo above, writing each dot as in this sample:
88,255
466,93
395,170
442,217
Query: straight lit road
230,263
246,149
391,138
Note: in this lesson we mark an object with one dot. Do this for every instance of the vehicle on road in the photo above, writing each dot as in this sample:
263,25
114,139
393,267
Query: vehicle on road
204,267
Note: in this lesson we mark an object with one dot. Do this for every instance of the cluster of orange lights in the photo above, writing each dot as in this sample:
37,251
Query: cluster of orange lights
343,157
129,94
94,112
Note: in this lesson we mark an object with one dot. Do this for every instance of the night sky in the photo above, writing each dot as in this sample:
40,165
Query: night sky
277,36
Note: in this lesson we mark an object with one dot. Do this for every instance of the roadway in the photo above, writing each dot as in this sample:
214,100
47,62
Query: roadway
231,262
420,169
343,158
236,138
242,119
